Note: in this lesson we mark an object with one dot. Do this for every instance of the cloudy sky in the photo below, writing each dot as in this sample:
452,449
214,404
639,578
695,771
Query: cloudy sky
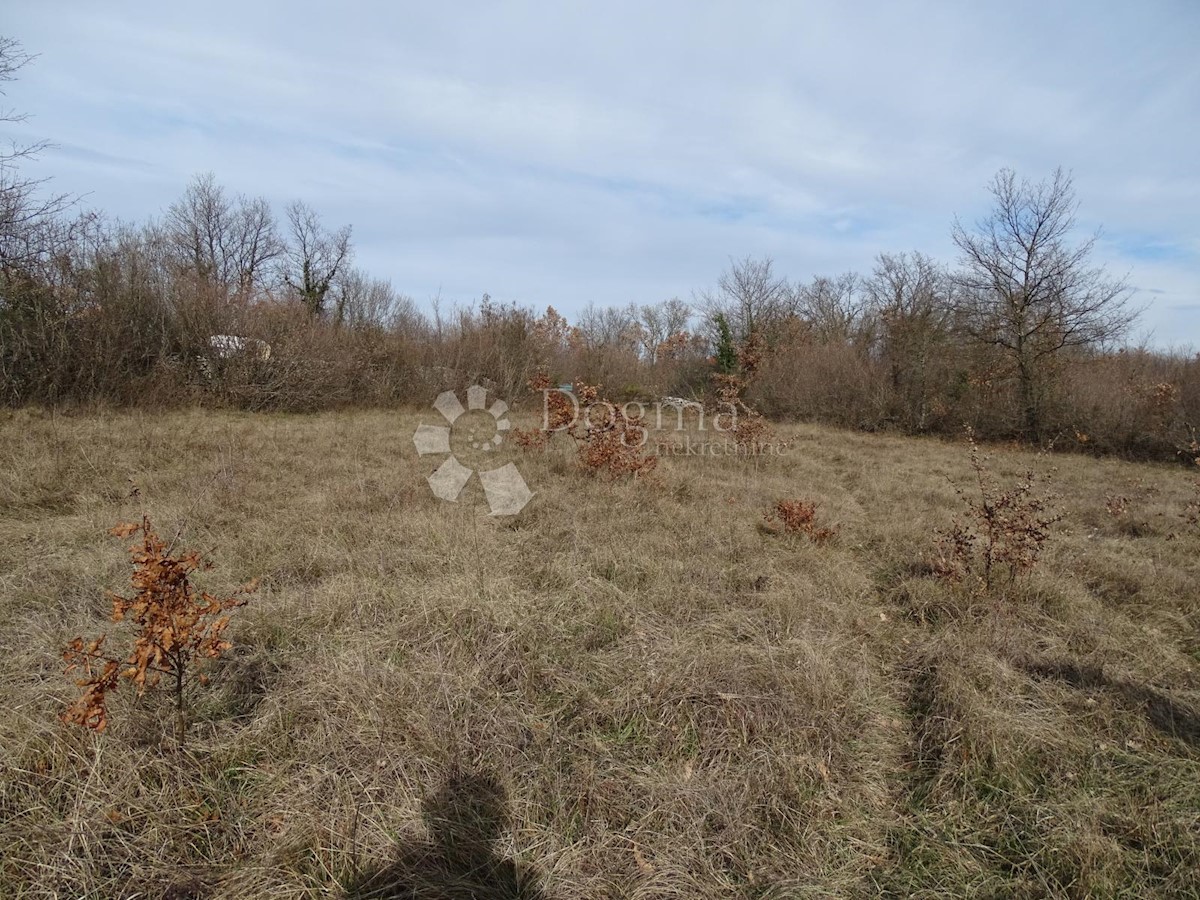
567,153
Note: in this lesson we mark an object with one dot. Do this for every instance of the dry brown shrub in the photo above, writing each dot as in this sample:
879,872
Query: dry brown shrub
617,446
1190,448
613,447
799,517
178,628
1001,531
751,432
751,354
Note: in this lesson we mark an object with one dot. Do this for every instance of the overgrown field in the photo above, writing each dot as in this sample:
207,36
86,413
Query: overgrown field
639,688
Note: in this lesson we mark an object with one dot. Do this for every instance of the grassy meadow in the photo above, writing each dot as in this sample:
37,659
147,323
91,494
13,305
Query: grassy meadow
631,689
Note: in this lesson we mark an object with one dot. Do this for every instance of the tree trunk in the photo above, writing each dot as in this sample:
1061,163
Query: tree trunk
180,713
1030,411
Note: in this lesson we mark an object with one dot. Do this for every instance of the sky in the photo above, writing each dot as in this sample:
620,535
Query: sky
569,153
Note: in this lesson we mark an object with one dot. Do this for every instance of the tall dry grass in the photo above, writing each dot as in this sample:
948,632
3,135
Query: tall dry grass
631,689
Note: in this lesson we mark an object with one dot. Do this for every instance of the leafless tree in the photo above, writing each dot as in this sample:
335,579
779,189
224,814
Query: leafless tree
1027,290
751,297
660,321
230,242
404,317
910,298
836,308
610,327
28,228
256,242
314,258
361,301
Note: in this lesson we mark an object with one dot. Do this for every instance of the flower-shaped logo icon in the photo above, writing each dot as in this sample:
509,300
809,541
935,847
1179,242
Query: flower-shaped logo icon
505,489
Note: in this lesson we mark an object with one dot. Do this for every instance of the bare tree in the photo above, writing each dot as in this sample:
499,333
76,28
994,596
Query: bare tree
661,321
610,327
910,298
750,297
315,257
836,308
1026,290
256,242
361,301
404,317
230,242
28,230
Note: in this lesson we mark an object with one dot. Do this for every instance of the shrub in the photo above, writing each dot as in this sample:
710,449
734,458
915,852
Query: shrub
177,629
1190,448
799,517
1003,531
613,447
560,416
751,432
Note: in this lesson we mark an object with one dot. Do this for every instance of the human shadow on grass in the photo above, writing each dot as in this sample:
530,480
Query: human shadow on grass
465,818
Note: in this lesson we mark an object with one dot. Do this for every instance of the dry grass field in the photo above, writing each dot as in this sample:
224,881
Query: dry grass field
630,689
